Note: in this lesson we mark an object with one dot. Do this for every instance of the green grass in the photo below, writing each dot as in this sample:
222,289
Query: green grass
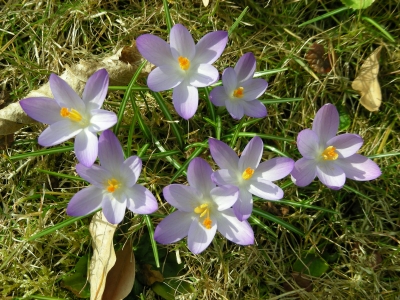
355,230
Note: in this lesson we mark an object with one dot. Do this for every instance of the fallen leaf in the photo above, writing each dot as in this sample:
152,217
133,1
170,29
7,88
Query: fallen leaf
130,54
103,258
319,62
151,276
366,82
121,278
13,118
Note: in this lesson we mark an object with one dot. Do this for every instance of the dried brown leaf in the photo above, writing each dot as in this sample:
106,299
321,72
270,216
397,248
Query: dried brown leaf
121,277
366,82
319,62
103,259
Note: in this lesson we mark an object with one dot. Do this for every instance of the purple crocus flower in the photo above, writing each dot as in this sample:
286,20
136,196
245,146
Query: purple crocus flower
182,65
332,158
240,91
248,174
113,184
68,115
202,209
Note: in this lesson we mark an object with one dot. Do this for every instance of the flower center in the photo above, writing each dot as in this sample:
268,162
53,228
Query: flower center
72,114
330,153
248,173
238,93
184,63
113,184
204,210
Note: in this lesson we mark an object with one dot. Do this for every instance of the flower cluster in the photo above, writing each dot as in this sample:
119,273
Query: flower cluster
220,200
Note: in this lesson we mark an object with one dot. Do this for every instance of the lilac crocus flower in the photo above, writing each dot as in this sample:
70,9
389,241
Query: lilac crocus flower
113,184
182,65
68,115
240,91
203,209
246,172
332,158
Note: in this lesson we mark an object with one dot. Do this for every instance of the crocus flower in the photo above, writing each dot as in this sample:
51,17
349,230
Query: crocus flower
70,116
240,91
203,209
332,158
113,184
246,172
182,65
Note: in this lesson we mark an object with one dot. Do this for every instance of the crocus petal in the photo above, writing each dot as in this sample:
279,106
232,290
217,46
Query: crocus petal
218,96
229,80
64,94
204,75
94,174
181,42
85,202
140,200
42,109
173,227
225,176
224,196
111,155
265,189
131,169
155,50
254,109
96,89
59,132
210,47
274,169
244,205
86,147
113,209
235,109
183,197
304,171
101,120
186,100
359,167
251,155
200,237
164,78
245,67
199,176
253,88
346,144
223,155
331,174
239,232
326,123
308,144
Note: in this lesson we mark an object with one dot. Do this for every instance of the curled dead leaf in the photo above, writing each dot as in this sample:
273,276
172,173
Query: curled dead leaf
103,258
366,82
319,62
13,118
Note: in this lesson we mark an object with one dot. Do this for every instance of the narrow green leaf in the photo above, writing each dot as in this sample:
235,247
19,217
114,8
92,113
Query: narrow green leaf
277,220
380,28
60,175
282,100
168,18
152,241
324,16
237,21
256,221
261,135
42,152
195,153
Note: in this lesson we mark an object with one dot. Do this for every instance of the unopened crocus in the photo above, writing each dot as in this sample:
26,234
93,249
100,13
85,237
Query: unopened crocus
329,157
202,209
240,90
113,184
246,172
182,65
72,116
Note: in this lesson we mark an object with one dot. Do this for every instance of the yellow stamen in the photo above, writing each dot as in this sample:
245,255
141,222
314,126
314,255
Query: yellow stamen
330,153
238,93
184,63
204,210
72,114
113,184
248,173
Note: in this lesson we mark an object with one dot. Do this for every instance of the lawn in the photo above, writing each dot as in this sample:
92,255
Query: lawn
313,243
